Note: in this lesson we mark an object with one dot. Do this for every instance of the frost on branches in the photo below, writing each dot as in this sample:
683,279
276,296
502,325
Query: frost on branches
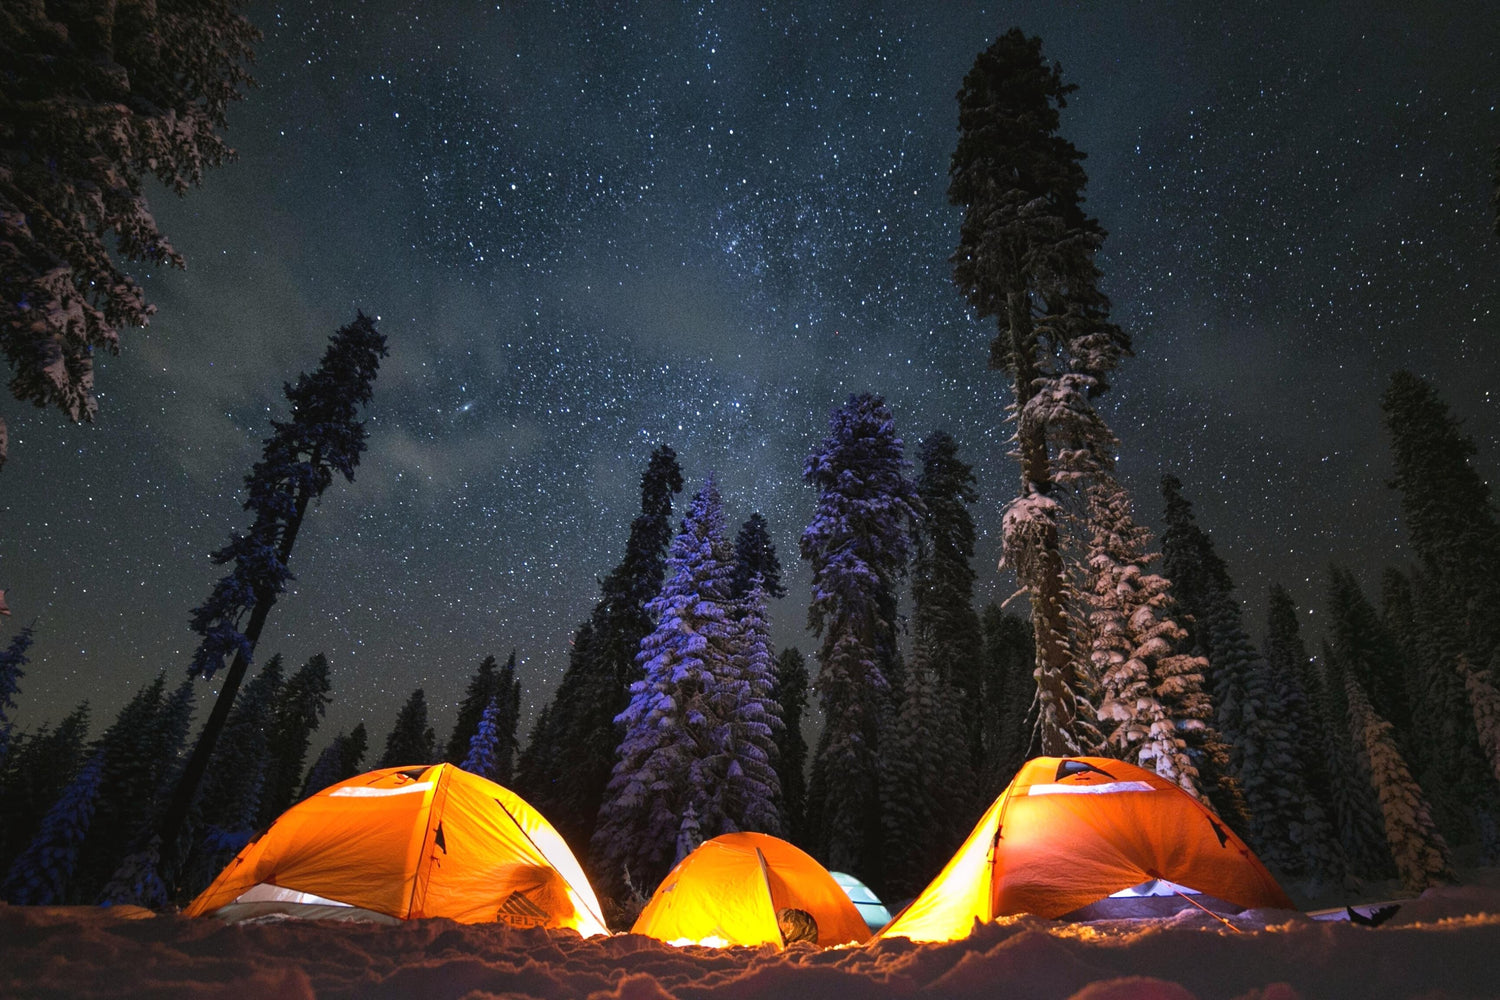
1136,647
698,726
95,97
1420,852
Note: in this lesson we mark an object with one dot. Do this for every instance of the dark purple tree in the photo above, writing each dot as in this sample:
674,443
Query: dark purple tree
11,662
339,761
858,544
410,740
298,463
755,556
40,875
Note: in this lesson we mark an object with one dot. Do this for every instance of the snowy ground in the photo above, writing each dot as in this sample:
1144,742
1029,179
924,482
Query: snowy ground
1442,945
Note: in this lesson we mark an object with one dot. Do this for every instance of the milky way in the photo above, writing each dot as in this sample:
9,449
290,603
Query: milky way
586,232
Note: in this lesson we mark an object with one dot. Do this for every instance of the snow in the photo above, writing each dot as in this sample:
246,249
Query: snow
1439,946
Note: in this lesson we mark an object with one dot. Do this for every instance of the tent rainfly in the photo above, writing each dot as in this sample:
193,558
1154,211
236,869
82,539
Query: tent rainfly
1070,833
729,889
404,843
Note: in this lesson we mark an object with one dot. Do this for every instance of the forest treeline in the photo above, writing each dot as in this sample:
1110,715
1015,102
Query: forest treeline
1377,754
1373,756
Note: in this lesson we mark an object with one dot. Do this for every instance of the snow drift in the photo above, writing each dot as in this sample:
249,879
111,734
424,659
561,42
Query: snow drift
1440,945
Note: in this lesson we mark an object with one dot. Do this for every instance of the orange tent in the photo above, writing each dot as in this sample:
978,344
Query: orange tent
728,890
1070,832
406,843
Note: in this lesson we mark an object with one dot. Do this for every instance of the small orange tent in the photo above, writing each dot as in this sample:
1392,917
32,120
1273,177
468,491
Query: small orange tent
406,843
728,890
1069,832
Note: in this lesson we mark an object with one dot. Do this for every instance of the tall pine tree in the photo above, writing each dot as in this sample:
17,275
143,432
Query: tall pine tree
1026,257
11,662
755,557
299,708
477,697
297,465
339,761
858,544
1008,694
942,579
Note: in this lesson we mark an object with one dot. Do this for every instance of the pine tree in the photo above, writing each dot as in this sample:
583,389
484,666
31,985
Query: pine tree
926,778
297,465
410,741
507,718
39,767
858,544
1026,257
11,662
1484,700
1151,694
1447,510
299,708
1008,693
755,557
1356,805
1287,656
696,728
1419,851
484,744
568,761
477,697
41,874
790,694
749,797
339,761
1442,745
96,97
942,581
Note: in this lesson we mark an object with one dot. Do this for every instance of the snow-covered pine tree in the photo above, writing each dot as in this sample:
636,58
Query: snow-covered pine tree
42,873
1026,257
927,780
942,579
298,462
97,97
678,748
11,662
569,760
340,760
1151,694
1484,700
1444,750
299,708
1420,853
484,744
410,741
1447,510
1008,693
755,556
790,695
1356,806
748,797
477,697
857,544
39,767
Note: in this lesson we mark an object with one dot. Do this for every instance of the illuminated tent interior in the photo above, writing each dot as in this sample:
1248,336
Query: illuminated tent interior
728,892
1087,837
403,843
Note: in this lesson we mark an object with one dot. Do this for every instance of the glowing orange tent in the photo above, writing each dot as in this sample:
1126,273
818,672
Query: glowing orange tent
728,890
1070,832
407,843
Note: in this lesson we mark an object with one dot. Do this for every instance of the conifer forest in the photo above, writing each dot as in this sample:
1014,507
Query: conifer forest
689,461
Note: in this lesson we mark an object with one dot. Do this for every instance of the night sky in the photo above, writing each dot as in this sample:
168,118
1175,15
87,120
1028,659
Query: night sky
587,229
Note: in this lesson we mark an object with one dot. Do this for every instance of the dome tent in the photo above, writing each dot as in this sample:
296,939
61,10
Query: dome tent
404,843
729,889
1071,832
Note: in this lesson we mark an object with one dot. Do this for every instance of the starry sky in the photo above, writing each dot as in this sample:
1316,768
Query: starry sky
590,228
